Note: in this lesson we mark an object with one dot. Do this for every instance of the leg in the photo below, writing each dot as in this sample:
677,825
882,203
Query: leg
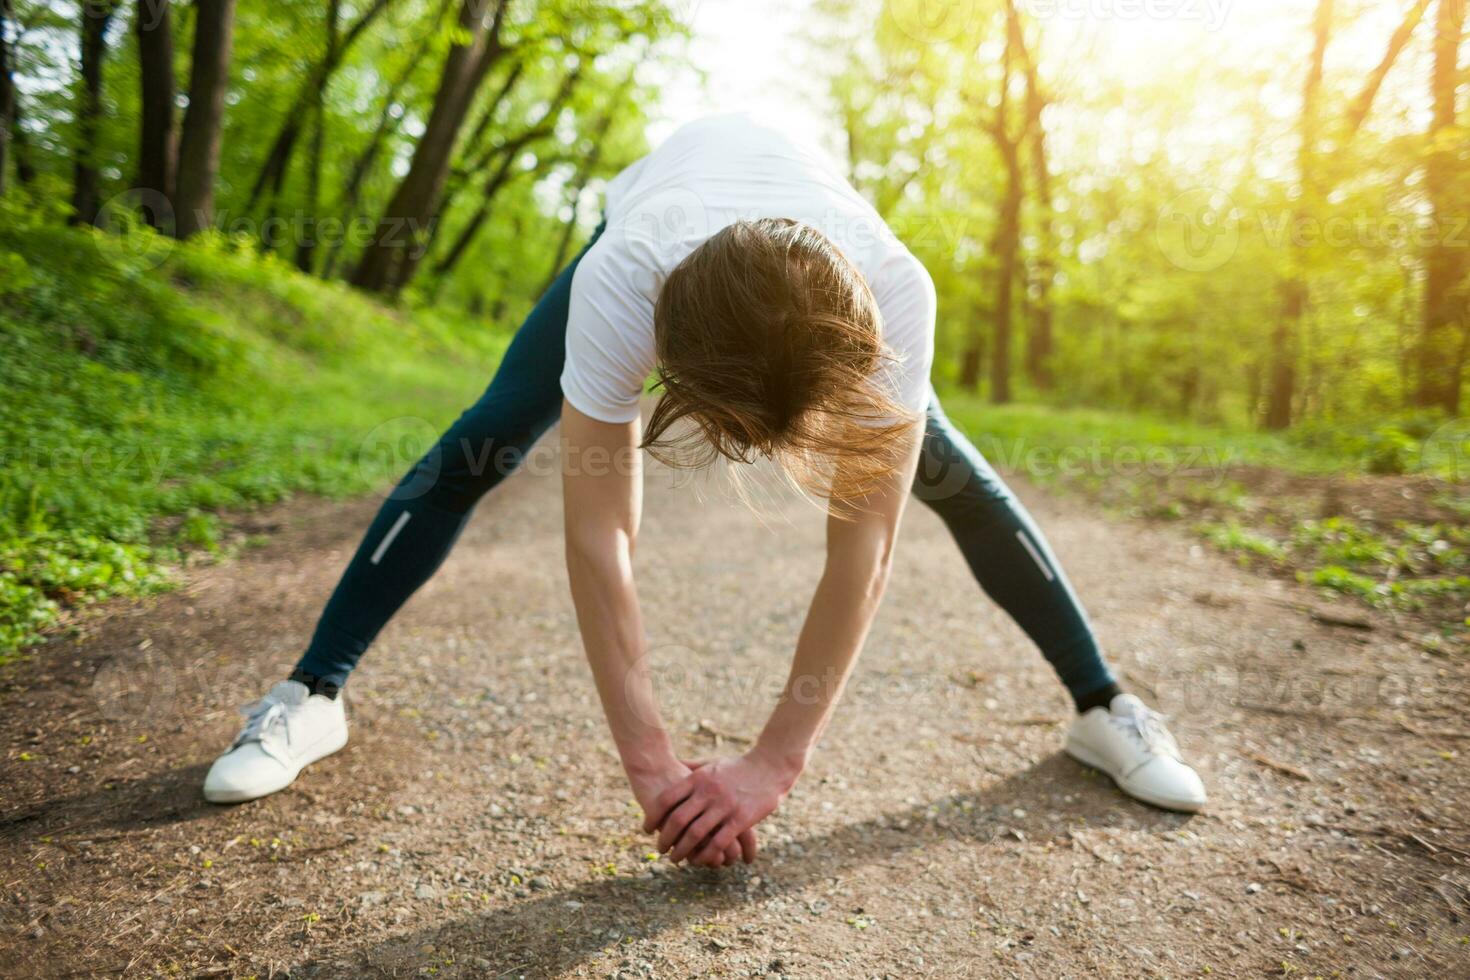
423,516
1009,556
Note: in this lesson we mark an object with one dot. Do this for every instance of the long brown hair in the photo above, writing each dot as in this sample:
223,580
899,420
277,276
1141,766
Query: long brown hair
767,341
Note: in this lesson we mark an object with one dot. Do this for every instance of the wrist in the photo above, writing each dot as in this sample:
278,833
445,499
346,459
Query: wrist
648,755
785,761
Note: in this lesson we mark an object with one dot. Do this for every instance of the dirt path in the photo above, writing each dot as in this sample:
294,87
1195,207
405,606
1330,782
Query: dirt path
478,824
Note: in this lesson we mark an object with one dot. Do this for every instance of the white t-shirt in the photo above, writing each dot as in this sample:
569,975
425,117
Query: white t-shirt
710,174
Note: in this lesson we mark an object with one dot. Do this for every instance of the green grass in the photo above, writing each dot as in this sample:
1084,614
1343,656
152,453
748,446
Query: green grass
1049,444
1141,466
141,398
150,387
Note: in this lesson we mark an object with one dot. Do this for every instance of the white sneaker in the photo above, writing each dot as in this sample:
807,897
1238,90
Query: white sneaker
286,731
1129,742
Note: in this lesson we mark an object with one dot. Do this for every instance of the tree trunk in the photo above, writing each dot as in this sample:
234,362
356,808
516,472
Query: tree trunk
493,186
277,163
507,151
310,233
158,137
587,171
1006,243
475,141
95,21
1285,339
400,230
311,230
347,203
972,360
7,93
1281,387
199,144
1040,342
1446,291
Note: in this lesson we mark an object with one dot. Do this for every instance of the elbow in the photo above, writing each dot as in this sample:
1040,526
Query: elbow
601,556
879,574
868,571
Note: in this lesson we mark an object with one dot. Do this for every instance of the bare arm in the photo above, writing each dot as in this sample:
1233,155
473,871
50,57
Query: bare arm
702,814
603,501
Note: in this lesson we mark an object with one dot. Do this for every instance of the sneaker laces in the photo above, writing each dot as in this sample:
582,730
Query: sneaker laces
1147,727
264,719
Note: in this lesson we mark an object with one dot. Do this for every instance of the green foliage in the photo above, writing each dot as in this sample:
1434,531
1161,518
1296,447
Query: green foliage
1233,537
42,571
1156,468
219,380
1175,214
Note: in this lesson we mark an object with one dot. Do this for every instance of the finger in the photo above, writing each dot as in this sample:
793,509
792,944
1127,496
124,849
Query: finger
746,840
695,763
727,858
715,847
682,817
699,832
664,802
716,862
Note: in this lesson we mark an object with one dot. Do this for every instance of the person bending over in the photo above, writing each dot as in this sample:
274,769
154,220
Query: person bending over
782,319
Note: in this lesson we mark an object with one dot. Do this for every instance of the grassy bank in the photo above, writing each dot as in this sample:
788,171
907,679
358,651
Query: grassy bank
1378,516
150,386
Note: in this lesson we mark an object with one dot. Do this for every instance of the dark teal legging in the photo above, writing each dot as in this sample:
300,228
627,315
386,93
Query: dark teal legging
418,524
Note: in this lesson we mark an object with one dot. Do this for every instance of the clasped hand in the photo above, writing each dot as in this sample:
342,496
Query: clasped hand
705,812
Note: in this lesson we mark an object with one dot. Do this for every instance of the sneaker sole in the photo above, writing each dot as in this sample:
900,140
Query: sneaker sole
1082,755
246,795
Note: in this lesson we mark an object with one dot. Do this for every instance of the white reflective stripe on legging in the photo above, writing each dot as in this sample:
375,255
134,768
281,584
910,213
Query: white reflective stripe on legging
1030,549
393,533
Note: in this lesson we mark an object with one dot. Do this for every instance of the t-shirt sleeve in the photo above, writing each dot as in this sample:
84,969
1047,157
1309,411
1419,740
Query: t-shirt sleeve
906,299
609,338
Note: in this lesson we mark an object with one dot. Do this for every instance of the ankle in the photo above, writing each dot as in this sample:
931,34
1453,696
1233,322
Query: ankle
1100,698
316,685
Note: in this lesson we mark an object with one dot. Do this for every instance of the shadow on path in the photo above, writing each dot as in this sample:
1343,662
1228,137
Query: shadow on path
554,933
159,799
